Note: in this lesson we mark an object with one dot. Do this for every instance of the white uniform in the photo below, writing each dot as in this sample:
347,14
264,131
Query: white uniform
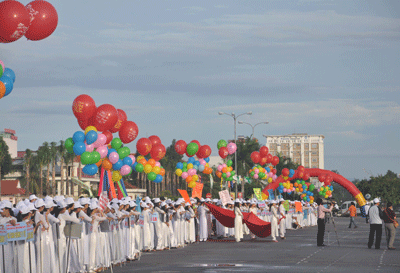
274,223
238,224
203,230
282,223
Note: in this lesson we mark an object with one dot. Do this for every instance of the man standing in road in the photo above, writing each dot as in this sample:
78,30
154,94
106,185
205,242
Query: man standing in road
353,214
375,220
321,221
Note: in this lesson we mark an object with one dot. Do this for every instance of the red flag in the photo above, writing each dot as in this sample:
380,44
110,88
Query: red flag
103,200
185,196
198,190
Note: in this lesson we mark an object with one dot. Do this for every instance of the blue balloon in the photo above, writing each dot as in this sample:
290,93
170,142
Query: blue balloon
117,166
134,165
158,178
201,168
9,73
268,170
291,171
196,163
207,159
79,148
78,136
179,165
311,194
127,161
91,137
90,169
191,160
111,151
195,167
8,83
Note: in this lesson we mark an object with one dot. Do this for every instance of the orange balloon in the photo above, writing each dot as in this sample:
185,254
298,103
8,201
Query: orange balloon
189,179
162,172
224,169
98,164
106,164
218,173
152,162
2,90
143,161
230,169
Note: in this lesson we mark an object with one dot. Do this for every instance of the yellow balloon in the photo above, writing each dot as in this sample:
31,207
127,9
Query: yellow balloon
189,166
140,157
297,189
178,172
90,128
195,177
311,201
156,170
269,180
207,165
147,168
116,176
192,184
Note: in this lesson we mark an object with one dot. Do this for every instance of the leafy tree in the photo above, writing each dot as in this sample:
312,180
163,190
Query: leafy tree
171,157
27,165
62,151
5,159
53,157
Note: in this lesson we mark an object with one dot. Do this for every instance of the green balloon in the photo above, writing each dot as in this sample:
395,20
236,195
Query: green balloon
123,152
86,158
312,187
70,150
229,163
233,173
69,143
184,169
184,164
139,168
116,143
305,198
95,157
224,175
192,148
1,71
152,176
261,175
252,173
222,143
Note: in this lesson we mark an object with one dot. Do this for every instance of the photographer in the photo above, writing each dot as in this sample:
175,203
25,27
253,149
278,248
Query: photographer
321,221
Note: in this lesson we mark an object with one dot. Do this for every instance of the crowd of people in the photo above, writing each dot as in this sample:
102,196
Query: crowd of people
117,232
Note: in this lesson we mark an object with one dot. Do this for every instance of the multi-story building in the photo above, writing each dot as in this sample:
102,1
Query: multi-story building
11,140
303,149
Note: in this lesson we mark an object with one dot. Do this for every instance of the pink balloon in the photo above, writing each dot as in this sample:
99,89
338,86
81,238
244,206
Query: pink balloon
255,176
158,164
228,174
101,140
125,170
2,65
113,157
133,158
191,171
231,148
271,174
202,162
256,171
89,148
103,151
185,175
223,165
274,177
220,168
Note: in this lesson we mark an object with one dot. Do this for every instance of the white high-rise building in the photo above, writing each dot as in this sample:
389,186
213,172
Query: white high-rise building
11,140
306,150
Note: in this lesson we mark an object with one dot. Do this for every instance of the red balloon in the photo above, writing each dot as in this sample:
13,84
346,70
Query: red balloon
196,141
223,152
122,118
300,168
264,151
83,123
44,20
204,151
275,160
263,160
128,132
180,147
321,178
285,172
109,136
300,174
269,158
83,107
14,21
255,157
306,176
143,146
273,171
155,140
158,152
106,117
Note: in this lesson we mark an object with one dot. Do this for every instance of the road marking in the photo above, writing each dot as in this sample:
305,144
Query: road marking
381,261
332,263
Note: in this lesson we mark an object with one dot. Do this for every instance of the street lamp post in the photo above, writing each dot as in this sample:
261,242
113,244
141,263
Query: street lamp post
253,126
234,120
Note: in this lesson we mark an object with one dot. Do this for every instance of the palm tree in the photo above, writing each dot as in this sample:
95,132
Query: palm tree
53,157
41,161
69,159
27,165
62,152
47,161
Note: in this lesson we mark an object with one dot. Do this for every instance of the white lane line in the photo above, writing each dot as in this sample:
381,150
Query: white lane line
332,263
381,261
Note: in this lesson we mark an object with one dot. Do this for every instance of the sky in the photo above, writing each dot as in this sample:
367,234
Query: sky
327,67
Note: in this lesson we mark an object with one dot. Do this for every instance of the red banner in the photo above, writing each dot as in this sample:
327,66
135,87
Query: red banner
185,196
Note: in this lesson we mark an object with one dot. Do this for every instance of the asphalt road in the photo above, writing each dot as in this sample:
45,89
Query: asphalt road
298,253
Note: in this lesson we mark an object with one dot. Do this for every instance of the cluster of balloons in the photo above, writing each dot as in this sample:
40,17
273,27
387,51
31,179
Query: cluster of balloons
97,149
7,79
263,157
268,173
326,191
225,148
151,145
325,179
105,118
155,172
192,149
188,170
225,171
305,190
36,21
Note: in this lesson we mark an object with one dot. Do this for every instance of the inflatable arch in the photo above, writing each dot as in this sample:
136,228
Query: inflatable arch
324,176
